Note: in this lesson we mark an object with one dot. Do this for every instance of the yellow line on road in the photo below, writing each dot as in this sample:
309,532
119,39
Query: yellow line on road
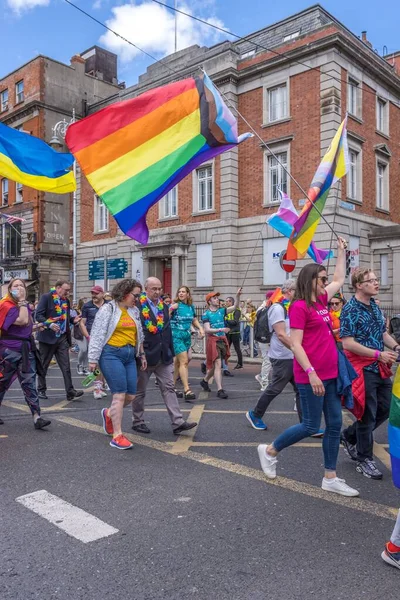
250,444
184,442
3,436
365,506
379,449
58,406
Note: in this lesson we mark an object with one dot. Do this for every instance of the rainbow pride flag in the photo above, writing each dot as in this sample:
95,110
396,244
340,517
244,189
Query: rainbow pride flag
135,151
283,221
333,166
30,161
394,429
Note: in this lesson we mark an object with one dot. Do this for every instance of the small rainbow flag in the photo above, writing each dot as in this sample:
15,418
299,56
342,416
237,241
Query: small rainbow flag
333,166
135,151
394,429
30,161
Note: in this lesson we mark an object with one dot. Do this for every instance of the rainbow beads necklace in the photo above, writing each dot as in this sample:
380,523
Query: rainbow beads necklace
147,318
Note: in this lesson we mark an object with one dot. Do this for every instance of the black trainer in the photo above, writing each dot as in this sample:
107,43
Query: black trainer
205,386
141,428
76,394
203,368
184,427
349,449
222,394
41,423
236,367
369,469
227,373
42,396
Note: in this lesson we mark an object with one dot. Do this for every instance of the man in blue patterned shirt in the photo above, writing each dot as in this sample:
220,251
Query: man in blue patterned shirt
363,332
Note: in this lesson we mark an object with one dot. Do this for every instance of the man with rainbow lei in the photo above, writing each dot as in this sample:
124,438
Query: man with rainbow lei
159,350
55,339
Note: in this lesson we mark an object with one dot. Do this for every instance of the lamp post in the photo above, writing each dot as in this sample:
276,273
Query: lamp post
57,142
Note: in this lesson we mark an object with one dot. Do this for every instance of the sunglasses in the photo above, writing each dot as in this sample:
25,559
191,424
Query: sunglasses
334,303
324,279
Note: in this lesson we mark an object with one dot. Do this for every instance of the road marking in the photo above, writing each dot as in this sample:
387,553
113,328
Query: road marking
3,436
76,522
250,444
366,506
184,442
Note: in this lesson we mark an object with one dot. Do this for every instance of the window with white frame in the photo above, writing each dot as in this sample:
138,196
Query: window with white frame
382,115
354,175
382,184
169,204
204,265
19,92
278,105
276,168
100,215
205,188
354,97
384,269
4,100
18,192
4,192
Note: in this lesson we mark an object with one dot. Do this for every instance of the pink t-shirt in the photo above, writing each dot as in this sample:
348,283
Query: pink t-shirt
318,341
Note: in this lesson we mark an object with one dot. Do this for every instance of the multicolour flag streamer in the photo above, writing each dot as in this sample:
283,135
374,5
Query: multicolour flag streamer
30,161
135,151
333,166
394,429
11,218
283,221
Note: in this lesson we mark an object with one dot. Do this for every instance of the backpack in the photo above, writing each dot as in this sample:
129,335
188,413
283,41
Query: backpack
262,331
394,327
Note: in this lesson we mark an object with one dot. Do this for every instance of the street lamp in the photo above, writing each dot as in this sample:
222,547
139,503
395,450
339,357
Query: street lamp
57,142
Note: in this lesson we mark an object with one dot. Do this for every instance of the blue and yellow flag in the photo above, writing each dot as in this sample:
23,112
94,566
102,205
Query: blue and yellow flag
30,161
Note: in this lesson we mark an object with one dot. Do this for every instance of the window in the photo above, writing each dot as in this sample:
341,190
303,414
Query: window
12,240
384,269
291,36
100,215
276,176
18,192
204,265
4,100
382,116
205,188
354,97
354,175
278,103
4,192
169,204
19,92
382,185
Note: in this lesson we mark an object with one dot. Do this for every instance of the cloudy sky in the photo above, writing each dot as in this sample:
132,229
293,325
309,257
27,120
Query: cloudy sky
56,29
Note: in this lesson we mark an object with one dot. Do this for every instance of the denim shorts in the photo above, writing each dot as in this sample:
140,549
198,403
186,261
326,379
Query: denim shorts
118,366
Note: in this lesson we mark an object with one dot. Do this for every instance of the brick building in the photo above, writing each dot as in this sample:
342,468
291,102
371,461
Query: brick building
293,81
33,99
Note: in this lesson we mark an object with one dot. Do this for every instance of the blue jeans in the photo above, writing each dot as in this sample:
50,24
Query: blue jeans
312,407
118,366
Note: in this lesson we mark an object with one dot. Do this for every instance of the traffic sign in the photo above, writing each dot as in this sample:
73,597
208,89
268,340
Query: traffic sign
116,268
287,265
96,269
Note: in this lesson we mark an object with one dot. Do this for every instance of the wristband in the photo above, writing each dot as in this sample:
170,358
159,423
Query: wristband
377,354
395,349
310,370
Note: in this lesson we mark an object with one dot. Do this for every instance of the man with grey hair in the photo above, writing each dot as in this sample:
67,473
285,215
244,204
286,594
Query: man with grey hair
280,355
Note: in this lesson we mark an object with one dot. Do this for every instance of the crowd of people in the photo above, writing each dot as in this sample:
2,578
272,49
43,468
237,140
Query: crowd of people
331,352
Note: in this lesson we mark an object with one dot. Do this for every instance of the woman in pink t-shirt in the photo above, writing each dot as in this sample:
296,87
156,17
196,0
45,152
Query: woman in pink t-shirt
315,371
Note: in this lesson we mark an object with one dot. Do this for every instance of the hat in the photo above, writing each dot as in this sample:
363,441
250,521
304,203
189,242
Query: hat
269,294
97,289
211,295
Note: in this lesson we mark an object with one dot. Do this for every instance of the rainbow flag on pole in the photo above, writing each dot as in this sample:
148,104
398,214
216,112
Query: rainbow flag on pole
30,161
394,429
135,151
333,167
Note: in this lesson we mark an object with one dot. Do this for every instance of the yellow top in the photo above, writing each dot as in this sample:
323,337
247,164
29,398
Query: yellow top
125,331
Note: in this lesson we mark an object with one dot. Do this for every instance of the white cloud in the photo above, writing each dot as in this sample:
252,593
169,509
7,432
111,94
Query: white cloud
20,6
152,28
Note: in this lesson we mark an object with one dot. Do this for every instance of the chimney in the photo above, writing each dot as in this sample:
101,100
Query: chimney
77,59
365,40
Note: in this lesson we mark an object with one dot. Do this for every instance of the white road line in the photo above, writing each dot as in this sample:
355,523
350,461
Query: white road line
74,521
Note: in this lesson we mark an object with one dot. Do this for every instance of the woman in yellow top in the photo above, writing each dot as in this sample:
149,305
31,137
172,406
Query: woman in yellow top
116,341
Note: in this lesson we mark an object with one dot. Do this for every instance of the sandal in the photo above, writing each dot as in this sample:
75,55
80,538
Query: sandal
178,393
189,395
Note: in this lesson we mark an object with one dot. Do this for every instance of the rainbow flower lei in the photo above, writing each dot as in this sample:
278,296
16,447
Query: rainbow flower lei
61,308
147,318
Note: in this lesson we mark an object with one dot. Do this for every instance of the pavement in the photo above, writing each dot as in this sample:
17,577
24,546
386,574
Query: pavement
183,517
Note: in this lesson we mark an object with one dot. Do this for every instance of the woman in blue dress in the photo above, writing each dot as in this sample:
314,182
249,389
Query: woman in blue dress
183,317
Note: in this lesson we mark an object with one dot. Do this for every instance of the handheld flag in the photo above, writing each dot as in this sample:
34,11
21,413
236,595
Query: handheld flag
394,430
283,221
30,161
135,151
333,166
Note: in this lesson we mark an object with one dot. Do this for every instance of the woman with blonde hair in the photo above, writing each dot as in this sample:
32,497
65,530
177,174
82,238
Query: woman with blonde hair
183,318
18,354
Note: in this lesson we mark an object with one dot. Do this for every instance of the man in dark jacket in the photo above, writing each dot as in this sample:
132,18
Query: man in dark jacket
159,351
53,311
232,321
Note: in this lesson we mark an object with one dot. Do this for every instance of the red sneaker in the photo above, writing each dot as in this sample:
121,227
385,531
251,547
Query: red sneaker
107,422
121,442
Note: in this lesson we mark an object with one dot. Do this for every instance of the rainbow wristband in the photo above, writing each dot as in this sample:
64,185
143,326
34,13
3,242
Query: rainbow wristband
377,354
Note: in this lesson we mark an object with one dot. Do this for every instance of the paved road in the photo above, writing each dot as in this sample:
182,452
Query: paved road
196,517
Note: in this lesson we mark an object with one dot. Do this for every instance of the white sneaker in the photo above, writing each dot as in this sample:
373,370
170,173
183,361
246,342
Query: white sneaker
98,393
338,486
258,378
268,463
